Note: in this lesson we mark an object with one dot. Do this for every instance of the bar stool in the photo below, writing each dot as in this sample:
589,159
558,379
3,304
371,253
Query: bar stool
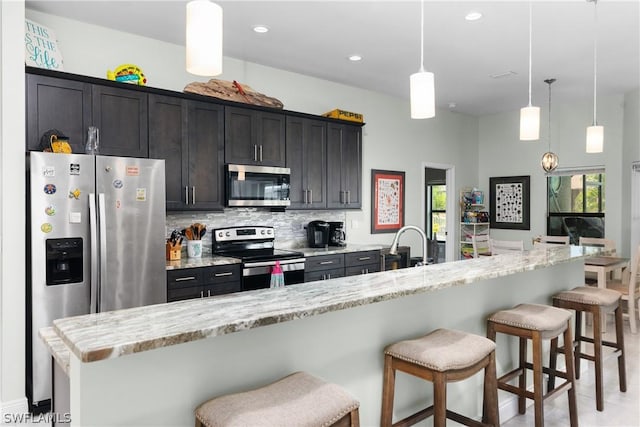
596,301
299,399
536,323
441,357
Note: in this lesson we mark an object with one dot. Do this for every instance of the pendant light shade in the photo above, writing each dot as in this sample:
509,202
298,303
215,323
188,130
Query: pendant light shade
595,139
530,115
595,133
422,83
422,88
204,38
529,123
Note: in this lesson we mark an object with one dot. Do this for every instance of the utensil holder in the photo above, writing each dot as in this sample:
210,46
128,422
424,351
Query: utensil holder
194,248
173,252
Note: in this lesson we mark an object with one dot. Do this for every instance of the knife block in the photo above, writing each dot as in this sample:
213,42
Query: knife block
173,252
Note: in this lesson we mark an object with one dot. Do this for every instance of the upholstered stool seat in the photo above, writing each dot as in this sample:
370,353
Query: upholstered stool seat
299,399
596,301
442,356
536,322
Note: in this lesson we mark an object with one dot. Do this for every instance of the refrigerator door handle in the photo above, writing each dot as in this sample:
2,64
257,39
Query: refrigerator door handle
93,222
102,220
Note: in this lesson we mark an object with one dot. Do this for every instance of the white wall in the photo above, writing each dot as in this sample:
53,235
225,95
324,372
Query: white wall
501,153
630,153
12,208
391,140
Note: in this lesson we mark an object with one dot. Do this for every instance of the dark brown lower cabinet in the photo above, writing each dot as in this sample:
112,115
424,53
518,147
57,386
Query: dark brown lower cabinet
188,283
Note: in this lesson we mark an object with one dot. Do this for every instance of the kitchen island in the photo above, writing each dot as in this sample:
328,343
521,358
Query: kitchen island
335,329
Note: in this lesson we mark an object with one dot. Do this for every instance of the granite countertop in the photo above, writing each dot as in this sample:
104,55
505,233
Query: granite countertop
212,260
332,250
57,347
113,334
205,261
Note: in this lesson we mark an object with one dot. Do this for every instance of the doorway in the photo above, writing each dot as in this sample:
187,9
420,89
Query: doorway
439,210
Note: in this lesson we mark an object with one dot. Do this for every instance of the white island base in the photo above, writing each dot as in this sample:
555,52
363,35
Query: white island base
162,387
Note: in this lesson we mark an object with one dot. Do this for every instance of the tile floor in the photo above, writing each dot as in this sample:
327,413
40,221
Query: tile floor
620,409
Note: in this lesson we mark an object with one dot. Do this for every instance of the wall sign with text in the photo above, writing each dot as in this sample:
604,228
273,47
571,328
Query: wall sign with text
41,47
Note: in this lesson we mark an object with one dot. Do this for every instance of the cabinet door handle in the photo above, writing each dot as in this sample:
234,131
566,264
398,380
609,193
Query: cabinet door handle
208,292
186,195
364,258
305,196
255,153
328,276
260,152
366,270
310,196
184,279
341,196
201,294
348,197
193,194
228,273
324,277
326,262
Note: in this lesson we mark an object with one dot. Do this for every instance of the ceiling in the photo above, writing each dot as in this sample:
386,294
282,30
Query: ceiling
316,37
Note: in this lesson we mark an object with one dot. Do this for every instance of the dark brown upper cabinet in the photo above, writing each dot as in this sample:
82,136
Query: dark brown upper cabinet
254,137
344,166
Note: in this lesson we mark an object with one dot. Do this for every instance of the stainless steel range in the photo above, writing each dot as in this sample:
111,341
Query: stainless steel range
254,245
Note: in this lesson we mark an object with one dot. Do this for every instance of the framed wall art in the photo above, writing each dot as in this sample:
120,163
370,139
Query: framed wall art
509,204
387,201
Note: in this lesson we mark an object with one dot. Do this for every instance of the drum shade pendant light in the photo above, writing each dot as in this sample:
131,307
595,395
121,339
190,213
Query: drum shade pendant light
204,38
530,115
595,133
549,159
421,84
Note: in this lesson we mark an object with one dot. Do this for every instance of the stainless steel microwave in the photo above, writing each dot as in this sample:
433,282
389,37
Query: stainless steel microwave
249,185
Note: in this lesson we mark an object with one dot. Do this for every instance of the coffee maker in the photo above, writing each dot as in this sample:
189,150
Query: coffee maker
318,234
337,236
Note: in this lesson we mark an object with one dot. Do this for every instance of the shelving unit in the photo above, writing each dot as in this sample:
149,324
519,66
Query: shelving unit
474,222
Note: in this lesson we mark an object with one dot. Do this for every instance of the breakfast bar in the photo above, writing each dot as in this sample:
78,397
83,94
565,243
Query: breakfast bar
154,365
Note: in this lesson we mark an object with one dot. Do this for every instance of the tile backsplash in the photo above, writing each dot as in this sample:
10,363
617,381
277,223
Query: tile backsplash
289,225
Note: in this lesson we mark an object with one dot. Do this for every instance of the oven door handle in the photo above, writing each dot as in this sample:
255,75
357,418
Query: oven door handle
264,268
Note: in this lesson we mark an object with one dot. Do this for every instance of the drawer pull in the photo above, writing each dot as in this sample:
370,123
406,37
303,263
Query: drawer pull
228,273
184,279
364,258
326,262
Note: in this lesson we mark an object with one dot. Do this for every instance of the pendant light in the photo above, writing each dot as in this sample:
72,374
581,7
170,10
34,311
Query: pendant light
549,159
595,133
422,84
530,115
204,38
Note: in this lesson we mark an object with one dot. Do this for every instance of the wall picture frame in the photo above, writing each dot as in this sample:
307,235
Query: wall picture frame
509,204
387,201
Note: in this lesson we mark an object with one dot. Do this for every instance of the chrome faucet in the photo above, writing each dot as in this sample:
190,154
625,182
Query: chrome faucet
394,245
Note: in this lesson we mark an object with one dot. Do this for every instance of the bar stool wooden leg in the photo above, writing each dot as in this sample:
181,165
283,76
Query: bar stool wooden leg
570,372
577,351
522,381
622,374
490,412
439,400
597,354
388,391
538,403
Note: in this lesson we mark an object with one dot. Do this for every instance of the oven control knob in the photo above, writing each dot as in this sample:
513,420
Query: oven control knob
220,234
269,231
262,232
228,234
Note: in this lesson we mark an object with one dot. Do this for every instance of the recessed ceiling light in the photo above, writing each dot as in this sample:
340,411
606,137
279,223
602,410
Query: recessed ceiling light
355,58
473,16
260,29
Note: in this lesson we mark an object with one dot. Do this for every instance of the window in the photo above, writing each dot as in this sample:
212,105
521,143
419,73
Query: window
575,204
437,211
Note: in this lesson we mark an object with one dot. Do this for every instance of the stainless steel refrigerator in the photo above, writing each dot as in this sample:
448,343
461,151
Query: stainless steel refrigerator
96,242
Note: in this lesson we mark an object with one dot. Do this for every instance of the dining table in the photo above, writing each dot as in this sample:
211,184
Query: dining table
603,266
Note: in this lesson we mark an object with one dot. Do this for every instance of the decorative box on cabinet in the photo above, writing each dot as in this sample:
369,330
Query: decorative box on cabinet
307,159
254,137
189,136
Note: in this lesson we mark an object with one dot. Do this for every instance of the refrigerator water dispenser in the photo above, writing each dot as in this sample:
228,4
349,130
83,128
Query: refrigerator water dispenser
64,261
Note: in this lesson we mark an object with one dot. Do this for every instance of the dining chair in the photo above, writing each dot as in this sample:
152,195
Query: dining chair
550,241
480,245
498,247
607,244
629,287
